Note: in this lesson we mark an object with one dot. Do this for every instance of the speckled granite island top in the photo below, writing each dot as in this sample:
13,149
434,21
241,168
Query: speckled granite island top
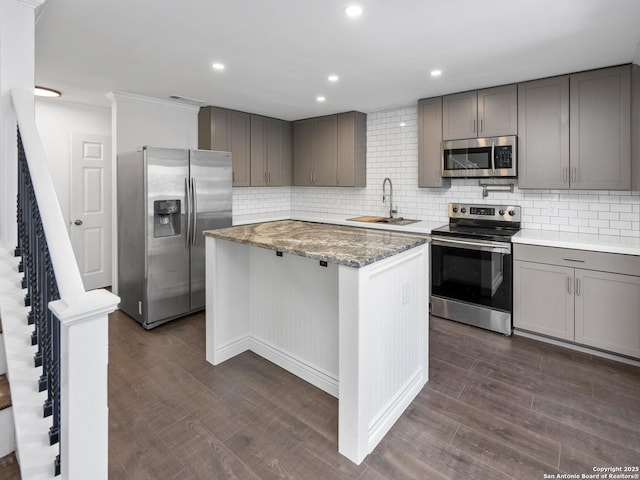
351,246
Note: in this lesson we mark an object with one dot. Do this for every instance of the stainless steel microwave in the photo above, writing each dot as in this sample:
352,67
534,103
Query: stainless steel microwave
480,157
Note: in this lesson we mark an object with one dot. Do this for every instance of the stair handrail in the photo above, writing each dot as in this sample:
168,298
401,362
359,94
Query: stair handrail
62,257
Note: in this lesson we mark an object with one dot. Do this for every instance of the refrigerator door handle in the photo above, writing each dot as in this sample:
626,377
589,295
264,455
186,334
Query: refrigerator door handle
194,203
188,211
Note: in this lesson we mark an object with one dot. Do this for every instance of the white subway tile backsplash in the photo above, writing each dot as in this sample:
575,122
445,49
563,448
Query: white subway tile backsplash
392,151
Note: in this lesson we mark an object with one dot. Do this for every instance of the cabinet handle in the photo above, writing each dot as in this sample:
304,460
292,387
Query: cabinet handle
474,127
569,285
269,181
265,177
565,174
574,175
482,125
577,287
233,177
573,260
311,178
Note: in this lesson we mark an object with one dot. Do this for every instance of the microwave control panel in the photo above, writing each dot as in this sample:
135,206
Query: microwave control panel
503,156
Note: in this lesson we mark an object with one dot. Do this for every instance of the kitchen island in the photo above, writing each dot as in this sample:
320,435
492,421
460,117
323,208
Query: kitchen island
344,308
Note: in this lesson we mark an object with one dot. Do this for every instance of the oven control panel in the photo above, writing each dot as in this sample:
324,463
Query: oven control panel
503,213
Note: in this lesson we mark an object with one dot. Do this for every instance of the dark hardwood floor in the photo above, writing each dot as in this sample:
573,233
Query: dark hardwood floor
495,408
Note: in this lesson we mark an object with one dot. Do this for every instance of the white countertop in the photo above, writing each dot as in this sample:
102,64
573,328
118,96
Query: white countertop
546,238
579,241
421,227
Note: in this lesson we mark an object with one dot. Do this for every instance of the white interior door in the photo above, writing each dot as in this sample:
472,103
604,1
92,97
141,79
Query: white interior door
91,207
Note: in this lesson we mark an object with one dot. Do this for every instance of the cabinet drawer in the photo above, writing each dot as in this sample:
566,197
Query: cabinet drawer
585,259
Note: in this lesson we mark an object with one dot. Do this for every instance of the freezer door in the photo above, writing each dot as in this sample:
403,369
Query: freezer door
167,270
211,185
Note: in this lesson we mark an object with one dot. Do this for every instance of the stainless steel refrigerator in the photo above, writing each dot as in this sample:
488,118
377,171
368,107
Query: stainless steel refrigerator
166,199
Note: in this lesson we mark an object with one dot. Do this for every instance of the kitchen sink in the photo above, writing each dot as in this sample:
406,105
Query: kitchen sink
387,220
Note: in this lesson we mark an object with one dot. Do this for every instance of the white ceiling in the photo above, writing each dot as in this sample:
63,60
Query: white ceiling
279,53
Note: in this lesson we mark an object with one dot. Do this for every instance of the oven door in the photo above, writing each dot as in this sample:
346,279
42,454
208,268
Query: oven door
472,279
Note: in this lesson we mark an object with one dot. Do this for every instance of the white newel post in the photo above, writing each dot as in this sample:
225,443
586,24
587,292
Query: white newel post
84,356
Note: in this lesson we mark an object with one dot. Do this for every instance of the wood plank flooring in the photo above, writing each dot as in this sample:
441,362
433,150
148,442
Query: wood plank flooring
495,408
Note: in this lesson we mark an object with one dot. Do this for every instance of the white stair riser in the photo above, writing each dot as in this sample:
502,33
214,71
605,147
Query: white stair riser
7,432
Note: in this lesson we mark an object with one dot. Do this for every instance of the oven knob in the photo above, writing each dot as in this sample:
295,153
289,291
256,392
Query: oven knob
501,212
455,209
512,212
463,210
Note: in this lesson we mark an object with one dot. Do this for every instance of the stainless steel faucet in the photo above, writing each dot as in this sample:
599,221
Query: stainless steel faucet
384,195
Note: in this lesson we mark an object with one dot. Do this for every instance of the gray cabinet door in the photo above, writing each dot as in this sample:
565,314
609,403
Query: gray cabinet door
302,152
429,140
228,131
352,138
283,177
543,300
324,147
543,133
460,116
600,130
498,111
258,151
608,311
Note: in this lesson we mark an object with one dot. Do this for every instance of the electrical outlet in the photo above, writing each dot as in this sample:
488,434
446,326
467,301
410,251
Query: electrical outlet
553,210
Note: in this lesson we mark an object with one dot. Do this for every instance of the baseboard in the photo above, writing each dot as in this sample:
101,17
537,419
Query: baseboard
387,416
291,363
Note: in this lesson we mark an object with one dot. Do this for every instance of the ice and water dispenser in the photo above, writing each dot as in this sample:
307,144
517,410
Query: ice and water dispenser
166,218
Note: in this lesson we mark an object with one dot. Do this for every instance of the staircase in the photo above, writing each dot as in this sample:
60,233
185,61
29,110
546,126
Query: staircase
54,340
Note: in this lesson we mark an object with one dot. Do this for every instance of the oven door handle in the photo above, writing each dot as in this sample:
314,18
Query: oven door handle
493,247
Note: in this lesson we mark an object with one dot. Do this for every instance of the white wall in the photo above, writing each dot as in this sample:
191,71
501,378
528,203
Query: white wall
139,121
56,121
17,30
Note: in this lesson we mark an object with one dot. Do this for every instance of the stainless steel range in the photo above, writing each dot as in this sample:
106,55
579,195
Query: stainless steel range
471,266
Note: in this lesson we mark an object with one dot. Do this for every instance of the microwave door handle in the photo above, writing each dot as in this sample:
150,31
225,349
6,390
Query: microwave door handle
493,158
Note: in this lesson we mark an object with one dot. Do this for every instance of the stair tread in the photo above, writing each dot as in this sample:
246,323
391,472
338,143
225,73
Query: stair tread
9,467
5,393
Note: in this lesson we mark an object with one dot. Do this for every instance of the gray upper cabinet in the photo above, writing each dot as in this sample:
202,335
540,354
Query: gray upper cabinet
600,129
229,131
429,139
491,112
635,127
352,150
543,133
270,151
330,150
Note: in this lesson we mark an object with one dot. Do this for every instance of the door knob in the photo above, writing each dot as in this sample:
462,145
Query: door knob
78,222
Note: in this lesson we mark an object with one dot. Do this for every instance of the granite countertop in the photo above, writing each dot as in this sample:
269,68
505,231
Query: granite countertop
579,241
344,245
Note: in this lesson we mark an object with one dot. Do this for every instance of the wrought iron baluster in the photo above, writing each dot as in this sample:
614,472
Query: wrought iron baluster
40,281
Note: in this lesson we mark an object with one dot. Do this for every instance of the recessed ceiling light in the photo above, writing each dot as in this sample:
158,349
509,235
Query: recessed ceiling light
333,78
46,92
320,98
218,66
353,11
436,73
402,124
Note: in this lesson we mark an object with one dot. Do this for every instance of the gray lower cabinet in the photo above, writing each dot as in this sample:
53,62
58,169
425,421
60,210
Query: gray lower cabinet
229,131
492,112
429,140
330,150
543,299
270,151
590,298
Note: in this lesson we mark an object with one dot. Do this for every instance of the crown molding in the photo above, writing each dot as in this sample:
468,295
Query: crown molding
114,97
31,3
